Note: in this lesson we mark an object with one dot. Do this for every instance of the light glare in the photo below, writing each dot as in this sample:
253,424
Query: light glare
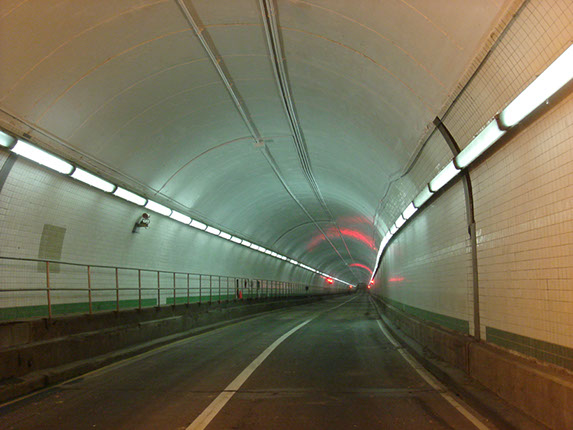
6,140
409,211
423,197
129,196
544,86
198,225
224,235
213,230
42,157
446,175
93,180
487,137
177,216
156,207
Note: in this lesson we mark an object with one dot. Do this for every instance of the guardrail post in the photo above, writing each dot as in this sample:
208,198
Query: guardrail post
48,289
210,288
174,291
158,290
200,279
227,290
139,286
188,298
219,301
117,289
89,290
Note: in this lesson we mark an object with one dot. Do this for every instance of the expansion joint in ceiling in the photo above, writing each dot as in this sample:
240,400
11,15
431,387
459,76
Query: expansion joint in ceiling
269,14
218,63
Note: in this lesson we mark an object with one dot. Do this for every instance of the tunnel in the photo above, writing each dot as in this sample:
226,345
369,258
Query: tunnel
302,214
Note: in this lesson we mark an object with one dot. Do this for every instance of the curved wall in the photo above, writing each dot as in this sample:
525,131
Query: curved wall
523,212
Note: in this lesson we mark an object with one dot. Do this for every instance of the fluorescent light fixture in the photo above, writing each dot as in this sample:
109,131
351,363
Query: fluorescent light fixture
224,235
268,252
236,240
156,207
487,137
255,247
409,211
213,230
261,249
30,152
423,197
274,254
198,225
177,216
6,140
446,175
393,229
93,180
293,262
544,86
246,243
400,221
129,196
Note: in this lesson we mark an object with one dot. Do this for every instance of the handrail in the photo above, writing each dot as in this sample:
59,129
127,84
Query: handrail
204,288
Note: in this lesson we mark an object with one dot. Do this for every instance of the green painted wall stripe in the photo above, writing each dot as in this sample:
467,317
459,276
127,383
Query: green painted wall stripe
452,323
70,308
544,351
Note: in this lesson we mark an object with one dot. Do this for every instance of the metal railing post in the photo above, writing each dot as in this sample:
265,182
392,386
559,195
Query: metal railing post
188,298
174,291
158,289
219,289
48,290
89,291
139,286
227,290
117,289
200,276
210,288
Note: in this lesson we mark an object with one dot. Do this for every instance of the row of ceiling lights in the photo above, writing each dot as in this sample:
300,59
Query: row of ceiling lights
556,76
32,152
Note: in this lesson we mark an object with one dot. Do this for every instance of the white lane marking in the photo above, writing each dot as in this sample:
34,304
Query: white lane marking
432,381
216,405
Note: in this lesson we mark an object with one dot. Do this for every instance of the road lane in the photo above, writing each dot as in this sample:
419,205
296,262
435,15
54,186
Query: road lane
339,372
336,372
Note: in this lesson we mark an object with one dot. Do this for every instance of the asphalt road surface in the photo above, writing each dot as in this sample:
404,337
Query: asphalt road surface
322,366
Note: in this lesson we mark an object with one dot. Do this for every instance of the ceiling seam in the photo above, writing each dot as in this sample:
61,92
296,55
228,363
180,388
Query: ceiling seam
253,130
269,14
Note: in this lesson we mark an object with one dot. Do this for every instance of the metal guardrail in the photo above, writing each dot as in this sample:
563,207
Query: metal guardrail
64,284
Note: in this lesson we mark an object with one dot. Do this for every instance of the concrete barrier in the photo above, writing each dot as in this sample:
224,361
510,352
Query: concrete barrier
36,353
543,391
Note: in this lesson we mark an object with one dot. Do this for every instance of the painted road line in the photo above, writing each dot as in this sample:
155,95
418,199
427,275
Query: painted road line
216,405
433,382
141,356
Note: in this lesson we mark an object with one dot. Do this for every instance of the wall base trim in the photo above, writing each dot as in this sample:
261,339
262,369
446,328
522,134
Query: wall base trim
543,391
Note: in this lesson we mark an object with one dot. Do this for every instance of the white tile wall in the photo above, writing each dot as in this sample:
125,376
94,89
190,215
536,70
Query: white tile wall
98,231
524,214
428,265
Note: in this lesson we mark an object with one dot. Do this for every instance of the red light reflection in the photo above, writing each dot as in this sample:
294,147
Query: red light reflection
330,280
396,279
362,266
332,233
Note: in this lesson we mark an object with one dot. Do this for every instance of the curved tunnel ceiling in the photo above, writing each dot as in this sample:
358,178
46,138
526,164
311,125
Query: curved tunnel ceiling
326,101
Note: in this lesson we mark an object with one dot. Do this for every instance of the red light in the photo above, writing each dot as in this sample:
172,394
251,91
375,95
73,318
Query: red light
371,282
330,281
369,286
